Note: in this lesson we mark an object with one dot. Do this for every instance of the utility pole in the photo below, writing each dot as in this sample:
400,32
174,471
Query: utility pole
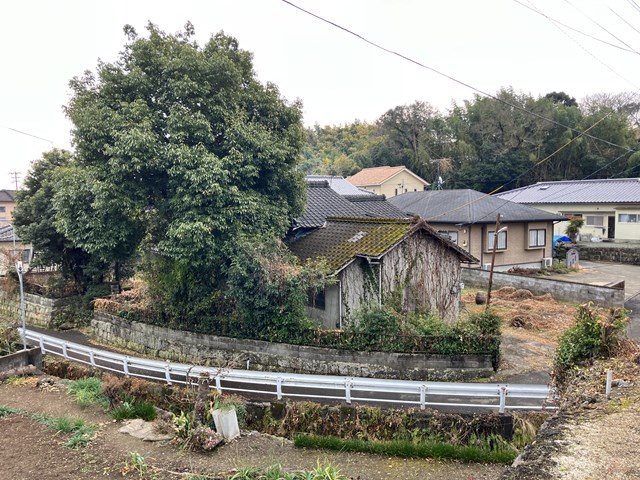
15,175
497,232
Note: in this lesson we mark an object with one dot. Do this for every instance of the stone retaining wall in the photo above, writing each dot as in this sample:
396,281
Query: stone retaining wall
39,311
597,252
560,290
213,350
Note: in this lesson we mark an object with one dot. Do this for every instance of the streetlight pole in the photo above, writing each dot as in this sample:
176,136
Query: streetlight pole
22,313
497,231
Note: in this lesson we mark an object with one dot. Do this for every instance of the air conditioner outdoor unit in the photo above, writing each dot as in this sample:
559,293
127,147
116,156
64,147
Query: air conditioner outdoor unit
486,266
547,262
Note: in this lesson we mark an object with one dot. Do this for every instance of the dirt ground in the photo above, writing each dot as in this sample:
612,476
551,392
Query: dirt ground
593,437
30,450
531,326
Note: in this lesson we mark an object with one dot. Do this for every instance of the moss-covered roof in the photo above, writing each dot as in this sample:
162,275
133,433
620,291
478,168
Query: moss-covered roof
344,238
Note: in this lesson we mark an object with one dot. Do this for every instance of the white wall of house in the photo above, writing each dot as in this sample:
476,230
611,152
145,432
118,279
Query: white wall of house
403,182
625,219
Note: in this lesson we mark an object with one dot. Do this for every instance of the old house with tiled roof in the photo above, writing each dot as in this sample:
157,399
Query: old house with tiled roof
388,181
376,260
610,208
375,254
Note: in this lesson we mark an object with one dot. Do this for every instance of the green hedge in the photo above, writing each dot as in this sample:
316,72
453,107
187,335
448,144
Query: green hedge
407,449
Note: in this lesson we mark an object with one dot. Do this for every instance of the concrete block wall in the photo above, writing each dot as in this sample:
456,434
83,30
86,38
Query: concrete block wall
228,352
560,290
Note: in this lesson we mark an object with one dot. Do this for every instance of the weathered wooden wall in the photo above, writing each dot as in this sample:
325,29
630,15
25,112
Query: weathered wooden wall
420,271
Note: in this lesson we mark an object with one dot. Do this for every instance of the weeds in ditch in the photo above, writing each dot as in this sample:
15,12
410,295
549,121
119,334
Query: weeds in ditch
405,449
134,409
88,391
276,472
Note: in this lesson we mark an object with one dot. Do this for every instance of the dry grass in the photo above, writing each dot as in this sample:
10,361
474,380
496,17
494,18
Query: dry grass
540,317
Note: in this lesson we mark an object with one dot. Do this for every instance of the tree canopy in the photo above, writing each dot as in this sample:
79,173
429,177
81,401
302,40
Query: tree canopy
487,142
178,146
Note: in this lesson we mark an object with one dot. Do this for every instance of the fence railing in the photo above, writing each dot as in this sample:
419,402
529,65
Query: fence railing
457,396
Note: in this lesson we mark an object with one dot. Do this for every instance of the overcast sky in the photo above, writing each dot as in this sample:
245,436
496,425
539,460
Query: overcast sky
488,44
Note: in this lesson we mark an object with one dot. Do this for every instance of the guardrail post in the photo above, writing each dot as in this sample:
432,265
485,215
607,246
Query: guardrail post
423,397
91,359
125,366
347,390
41,344
167,372
503,398
609,382
279,388
64,350
218,384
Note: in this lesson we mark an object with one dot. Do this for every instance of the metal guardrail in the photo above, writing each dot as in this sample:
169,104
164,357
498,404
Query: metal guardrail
319,387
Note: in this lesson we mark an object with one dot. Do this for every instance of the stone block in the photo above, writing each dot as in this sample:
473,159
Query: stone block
226,422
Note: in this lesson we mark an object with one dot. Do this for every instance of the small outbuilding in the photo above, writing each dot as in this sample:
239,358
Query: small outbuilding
375,260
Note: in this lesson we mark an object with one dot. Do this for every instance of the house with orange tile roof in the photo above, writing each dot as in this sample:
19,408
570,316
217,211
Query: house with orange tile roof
388,181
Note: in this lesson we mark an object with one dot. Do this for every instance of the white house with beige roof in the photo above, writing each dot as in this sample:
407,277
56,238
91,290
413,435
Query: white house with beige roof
388,181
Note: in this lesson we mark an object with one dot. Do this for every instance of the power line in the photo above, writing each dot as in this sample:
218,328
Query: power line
575,29
602,27
634,5
445,75
557,24
623,19
530,169
28,134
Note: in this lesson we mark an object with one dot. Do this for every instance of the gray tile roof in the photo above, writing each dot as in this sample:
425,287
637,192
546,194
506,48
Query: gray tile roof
6,234
466,207
8,195
376,206
323,202
339,185
616,190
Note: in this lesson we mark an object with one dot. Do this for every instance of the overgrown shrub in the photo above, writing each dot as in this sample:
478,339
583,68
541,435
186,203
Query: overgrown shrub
573,228
595,335
9,338
270,289
487,322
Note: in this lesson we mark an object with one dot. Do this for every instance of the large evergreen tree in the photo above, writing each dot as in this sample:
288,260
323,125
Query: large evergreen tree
180,146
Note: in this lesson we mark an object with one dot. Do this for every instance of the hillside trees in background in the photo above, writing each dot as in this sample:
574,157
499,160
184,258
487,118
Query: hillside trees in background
489,142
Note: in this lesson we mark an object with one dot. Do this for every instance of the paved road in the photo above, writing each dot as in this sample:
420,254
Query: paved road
601,273
267,392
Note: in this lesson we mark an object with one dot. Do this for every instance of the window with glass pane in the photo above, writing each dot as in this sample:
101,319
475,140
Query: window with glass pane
628,218
595,220
537,237
502,240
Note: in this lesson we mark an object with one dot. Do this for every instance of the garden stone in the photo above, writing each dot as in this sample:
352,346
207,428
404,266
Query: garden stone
138,428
